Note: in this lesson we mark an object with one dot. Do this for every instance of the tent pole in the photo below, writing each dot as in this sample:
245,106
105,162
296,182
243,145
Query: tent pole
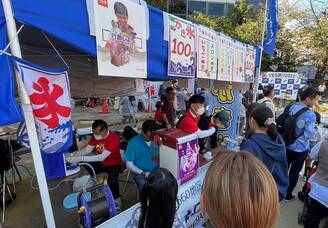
258,72
29,118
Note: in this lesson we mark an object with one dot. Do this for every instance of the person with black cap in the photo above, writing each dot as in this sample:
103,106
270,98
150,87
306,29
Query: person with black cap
222,120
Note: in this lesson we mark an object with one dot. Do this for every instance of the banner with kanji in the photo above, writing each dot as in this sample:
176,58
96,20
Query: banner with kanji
239,62
48,90
226,56
121,38
250,64
182,55
206,53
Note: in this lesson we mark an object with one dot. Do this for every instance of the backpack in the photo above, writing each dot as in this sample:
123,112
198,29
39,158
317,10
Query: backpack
286,125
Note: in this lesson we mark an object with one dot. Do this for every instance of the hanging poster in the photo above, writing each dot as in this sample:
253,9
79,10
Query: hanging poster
182,55
121,38
250,64
225,56
286,85
228,101
188,160
48,90
206,53
239,62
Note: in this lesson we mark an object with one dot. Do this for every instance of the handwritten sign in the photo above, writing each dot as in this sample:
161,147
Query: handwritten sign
250,64
182,56
207,53
226,57
239,62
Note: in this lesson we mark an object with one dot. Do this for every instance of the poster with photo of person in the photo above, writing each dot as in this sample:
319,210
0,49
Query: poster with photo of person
121,36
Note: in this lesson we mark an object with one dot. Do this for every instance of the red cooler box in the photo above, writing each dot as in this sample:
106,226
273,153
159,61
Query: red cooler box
179,153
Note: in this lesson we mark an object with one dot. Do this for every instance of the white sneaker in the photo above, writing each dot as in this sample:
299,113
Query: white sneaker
208,156
287,200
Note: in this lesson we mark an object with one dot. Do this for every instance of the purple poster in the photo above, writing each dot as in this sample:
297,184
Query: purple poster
188,160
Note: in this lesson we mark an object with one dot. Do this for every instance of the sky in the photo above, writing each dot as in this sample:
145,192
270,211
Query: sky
305,4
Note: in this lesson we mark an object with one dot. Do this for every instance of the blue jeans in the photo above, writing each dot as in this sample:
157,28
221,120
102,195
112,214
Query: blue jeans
139,179
295,165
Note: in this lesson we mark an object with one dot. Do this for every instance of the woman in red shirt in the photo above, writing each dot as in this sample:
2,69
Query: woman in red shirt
158,114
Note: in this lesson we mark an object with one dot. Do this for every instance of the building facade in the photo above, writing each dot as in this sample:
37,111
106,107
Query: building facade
186,8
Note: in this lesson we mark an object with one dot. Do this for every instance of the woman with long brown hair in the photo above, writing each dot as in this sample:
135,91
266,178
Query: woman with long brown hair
239,191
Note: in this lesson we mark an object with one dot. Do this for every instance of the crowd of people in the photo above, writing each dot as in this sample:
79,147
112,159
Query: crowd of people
240,189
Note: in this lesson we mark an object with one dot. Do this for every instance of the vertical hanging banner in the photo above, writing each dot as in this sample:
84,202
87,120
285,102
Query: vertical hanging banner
239,62
121,37
250,64
206,53
182,55
228,101
48,90
226,56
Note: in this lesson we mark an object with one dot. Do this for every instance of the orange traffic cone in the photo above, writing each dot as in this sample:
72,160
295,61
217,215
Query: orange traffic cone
105,106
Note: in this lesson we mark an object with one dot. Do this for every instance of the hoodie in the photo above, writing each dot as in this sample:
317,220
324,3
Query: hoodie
273,155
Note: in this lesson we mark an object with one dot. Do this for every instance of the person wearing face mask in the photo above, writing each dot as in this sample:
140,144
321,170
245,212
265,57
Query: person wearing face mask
189,121
107,159
142,153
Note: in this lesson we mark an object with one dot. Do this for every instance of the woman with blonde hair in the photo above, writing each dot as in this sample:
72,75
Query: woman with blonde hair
239,191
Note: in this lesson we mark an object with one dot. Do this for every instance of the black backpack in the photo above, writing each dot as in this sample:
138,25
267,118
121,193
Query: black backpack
286,125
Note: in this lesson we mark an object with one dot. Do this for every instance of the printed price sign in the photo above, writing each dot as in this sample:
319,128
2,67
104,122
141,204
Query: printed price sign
181,48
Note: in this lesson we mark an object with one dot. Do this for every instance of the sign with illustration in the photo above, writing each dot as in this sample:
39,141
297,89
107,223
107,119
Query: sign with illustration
188,160
182,55
206,53
48,90
286,85
250,64
239,62
226,58
121,38
228,101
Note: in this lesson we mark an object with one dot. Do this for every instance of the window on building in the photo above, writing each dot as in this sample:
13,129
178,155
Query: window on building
178,7
216,9
230,8
194,7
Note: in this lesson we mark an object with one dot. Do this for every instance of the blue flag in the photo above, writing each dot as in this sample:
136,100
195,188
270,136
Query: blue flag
9,110
269,44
